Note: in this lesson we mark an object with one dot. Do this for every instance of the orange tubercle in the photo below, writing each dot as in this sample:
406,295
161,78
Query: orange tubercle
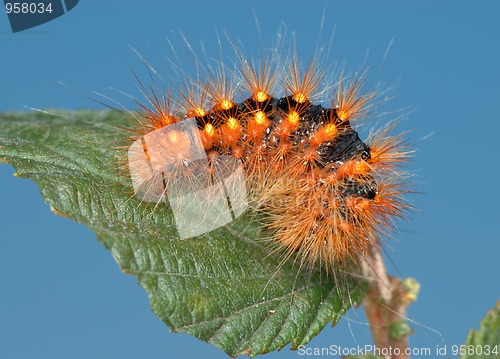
196,112
260,96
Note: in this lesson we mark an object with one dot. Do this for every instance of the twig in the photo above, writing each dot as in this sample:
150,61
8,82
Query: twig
386,306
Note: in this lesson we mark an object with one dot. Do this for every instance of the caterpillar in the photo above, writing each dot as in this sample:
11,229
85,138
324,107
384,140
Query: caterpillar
256,137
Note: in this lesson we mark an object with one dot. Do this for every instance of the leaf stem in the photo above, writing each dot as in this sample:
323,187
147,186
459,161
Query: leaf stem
386,305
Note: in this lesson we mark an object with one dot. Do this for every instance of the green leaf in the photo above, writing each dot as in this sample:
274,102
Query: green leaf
222,287
484,343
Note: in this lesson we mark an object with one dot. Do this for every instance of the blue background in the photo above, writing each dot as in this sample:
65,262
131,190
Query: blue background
61,293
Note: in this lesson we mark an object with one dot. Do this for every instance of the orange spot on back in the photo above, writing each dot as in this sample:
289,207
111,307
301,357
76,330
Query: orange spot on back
260,117
343,115
232,123
225,104
330,129
260,96
167,120
302,84
209,129
324,134
349,101
196,112
293,117
300,97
